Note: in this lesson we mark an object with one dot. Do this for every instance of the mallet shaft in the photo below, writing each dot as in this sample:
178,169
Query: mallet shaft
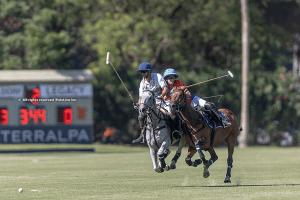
229,74
205,81
107,62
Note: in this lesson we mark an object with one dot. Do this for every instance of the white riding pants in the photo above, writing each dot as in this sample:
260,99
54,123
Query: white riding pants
197,101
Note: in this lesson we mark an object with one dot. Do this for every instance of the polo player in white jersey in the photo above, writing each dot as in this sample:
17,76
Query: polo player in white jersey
150,81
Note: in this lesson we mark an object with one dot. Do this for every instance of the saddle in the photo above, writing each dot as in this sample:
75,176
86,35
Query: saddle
211,122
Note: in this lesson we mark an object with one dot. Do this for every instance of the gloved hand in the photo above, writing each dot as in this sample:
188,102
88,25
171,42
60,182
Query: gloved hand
136,106
192,96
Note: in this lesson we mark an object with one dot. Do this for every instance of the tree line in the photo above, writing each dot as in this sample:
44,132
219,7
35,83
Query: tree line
200,39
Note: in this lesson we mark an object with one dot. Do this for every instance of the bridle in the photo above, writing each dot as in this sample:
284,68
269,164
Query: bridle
150,110
180,105
157,115
179,110
149,107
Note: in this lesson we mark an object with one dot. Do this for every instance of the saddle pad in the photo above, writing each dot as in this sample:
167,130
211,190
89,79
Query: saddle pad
210,123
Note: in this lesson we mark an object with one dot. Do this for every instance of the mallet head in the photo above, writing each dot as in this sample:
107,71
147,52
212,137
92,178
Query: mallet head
107,58
230,73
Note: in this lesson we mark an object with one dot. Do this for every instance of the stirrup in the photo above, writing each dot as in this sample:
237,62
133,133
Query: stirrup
225,123
139,140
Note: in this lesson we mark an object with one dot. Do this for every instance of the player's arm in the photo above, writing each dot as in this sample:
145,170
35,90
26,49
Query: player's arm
164,93
186,91
139,102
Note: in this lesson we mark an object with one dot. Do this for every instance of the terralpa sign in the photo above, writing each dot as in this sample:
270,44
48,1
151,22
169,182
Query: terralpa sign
46,134
66,90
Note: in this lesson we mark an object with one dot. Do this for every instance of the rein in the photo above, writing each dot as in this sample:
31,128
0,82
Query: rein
157,115
190,126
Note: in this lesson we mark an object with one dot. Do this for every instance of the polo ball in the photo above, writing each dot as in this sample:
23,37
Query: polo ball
20,190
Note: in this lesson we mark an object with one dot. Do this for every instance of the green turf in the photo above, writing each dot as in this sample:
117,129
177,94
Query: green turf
258,173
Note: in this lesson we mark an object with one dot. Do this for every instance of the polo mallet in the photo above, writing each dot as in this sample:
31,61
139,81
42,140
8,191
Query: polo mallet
107,62
229,74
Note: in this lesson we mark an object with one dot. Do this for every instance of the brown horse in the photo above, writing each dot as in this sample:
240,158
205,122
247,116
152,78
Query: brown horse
201,133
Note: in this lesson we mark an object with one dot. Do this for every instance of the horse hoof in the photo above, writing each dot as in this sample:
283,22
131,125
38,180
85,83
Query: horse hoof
159,169
173,166
196,163
206,174
188,161
227,180
167,168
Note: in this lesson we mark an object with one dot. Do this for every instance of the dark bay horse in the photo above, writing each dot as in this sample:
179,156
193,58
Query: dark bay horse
201,132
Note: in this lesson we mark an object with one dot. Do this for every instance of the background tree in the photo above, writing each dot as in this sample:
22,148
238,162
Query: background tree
44,34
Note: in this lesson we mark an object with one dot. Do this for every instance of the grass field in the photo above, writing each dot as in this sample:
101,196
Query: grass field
120,172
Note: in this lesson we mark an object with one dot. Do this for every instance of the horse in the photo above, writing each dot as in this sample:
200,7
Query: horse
158,133
202,134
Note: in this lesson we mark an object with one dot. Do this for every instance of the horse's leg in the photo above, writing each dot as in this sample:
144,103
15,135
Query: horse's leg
229,162
191,151
154,159
162,153
178,153
212,159
198,147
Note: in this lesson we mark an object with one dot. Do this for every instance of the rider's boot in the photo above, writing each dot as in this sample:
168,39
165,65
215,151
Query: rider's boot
215,114
141,138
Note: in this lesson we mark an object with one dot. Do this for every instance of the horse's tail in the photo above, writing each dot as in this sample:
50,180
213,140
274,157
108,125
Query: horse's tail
240,128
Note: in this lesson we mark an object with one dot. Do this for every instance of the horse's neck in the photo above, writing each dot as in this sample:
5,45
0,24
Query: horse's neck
190,113
154,115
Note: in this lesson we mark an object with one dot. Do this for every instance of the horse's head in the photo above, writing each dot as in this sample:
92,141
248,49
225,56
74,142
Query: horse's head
147,102
178,99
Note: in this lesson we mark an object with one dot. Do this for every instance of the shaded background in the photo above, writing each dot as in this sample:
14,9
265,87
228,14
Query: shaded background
200,39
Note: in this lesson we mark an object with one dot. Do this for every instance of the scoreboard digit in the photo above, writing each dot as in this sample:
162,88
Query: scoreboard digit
3,116
33,93
65,115
32,116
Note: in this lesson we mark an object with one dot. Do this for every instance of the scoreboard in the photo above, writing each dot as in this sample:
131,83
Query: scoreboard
46,106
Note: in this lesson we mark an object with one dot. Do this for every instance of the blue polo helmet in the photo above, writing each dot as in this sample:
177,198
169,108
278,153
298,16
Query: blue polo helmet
169,72
144,66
